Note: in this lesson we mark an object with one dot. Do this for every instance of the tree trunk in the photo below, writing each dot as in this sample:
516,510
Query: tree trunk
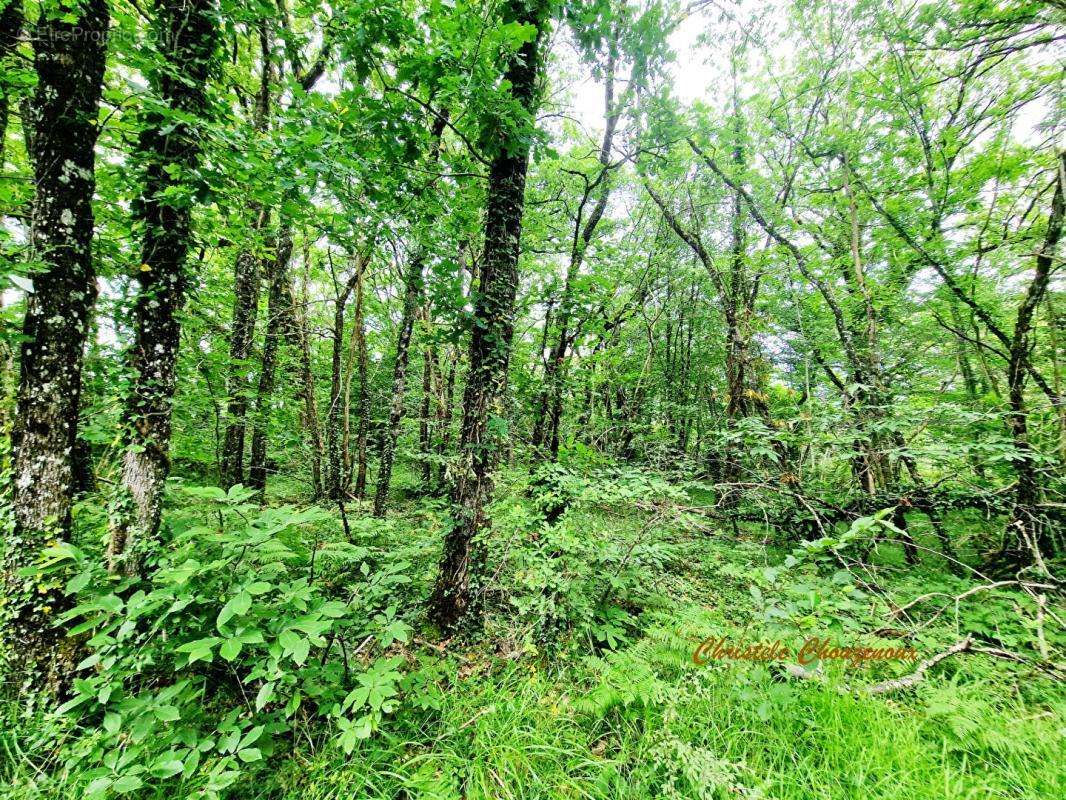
347,467
246,284
278,308
245,311
62,133
413,281
169,148
425,432
540,408
444,421
334,471
584,230
1028,540
301,339
413,286
364,393
462,563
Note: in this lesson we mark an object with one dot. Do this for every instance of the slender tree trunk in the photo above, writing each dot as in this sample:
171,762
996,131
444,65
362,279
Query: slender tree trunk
246,285
540,408
412,294
969,378
584,230
347,466
302,340
870,403
333,416
1054,324
444,421
62,132
414,282
462,563
278,309
734,298
334,463
425,432
169,147
245,311
359,333
1028,539
445,474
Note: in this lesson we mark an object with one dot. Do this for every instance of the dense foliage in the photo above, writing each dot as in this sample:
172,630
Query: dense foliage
395,395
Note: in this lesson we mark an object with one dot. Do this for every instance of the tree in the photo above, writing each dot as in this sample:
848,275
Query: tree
169,149
596,191
61,132
247,278
493,322
413,284
334,484
278,309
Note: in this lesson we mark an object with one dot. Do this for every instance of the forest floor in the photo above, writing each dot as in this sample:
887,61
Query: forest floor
583,683
619,709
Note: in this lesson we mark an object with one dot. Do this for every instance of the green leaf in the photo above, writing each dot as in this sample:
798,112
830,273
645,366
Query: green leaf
237,605
266,692
127,783
97,787
167,713
166,767
230,649
294,645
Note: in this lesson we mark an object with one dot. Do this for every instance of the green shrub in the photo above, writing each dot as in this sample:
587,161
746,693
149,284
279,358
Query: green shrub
234,640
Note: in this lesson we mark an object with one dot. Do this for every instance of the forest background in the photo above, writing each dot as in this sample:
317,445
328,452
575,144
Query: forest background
395,394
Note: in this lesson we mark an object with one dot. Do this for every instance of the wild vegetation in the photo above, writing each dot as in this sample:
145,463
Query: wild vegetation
446,399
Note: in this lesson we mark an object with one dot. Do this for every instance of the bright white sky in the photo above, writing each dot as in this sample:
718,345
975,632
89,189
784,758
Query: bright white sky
691,74
700,62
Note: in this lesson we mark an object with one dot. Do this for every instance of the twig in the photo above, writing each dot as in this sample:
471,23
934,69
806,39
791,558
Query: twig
486,710
986,587
909,680
1007,655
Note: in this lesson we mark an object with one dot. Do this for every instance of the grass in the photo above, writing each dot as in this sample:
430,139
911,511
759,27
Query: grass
644,722
641,721
715,733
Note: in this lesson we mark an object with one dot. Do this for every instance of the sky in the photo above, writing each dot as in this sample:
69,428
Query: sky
699,63
691,74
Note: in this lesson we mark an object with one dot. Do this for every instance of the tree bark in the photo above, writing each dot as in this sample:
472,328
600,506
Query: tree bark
364,393
1028,540
301,339
246,285
169,147
278,309
455,593
334,471
62,131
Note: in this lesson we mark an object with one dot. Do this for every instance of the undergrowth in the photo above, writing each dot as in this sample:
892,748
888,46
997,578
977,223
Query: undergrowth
268,658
